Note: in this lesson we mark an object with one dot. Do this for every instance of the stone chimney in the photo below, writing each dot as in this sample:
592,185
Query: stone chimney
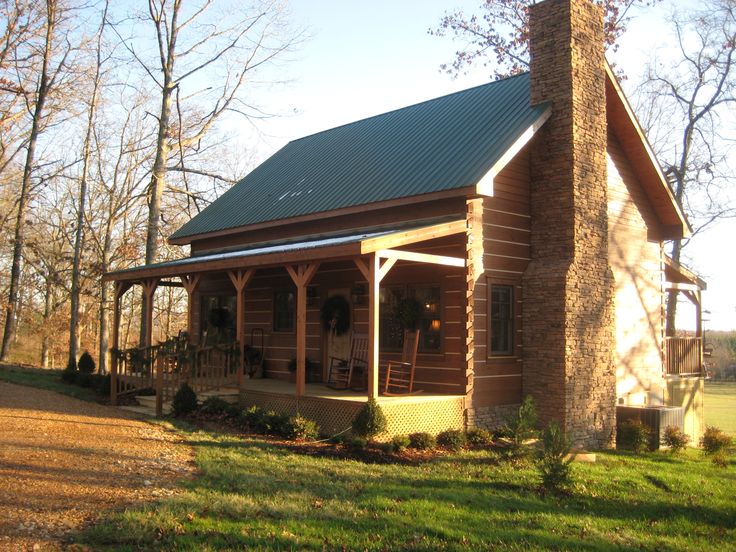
568,286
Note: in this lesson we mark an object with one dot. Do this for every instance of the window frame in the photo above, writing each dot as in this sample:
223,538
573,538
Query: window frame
512,321
274,303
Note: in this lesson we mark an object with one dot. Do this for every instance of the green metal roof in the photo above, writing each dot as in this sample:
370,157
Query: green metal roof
438,145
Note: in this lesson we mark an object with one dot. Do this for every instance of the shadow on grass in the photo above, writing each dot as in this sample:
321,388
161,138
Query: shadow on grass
252,494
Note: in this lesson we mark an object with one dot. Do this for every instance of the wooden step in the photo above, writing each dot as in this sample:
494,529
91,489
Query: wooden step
149,401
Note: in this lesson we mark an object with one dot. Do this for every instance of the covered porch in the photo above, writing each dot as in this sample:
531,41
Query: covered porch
368,266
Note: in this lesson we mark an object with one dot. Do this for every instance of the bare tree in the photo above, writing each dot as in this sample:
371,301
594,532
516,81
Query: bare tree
82,199
222,42
498,35
50,72
687,105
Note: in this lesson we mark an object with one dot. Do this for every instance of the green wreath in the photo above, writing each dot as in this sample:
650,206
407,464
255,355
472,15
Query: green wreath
335,314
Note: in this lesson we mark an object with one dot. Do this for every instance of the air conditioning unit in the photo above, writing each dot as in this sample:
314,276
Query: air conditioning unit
656,418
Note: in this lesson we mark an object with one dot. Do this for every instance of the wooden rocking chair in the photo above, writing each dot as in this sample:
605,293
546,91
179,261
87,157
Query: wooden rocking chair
341,370
399,375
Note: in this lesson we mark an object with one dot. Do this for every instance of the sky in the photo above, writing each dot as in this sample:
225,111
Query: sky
364,58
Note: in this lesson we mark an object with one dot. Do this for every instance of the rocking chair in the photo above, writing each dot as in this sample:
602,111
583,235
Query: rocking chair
398,378
341,370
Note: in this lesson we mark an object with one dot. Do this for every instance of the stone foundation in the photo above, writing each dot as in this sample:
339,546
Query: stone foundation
490,417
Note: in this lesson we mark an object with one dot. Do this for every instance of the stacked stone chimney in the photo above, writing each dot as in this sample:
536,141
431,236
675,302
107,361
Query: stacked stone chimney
568,286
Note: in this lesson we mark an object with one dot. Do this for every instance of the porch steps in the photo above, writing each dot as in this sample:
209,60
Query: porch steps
141,410
147,405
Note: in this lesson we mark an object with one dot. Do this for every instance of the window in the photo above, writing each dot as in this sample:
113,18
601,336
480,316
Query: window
284,312
502,320
429,320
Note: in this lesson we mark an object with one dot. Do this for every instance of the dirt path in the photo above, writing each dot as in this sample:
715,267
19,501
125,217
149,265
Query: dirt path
62,461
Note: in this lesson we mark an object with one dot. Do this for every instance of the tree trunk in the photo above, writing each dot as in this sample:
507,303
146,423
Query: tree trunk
79,234
46,315
23,199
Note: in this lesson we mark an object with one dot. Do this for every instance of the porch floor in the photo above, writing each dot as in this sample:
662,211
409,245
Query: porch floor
321,391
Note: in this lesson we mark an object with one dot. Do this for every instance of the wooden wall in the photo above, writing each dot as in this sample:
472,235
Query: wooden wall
506,238
636,264
441,372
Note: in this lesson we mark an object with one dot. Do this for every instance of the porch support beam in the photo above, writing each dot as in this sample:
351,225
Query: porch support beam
120,289
374,271
149,288
397,254
301,275
240,279
190,283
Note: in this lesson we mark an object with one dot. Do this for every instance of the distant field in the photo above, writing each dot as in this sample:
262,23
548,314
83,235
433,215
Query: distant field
720,406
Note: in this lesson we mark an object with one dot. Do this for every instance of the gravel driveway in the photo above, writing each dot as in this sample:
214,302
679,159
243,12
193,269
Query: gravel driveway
62,461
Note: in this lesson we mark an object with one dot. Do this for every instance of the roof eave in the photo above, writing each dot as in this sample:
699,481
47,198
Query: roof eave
484,187
353,209
674,223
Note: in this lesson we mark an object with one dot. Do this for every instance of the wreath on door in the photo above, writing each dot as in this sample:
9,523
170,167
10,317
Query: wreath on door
335,314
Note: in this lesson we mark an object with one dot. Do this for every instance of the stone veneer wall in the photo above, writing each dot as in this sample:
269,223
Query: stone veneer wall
490,417
568,286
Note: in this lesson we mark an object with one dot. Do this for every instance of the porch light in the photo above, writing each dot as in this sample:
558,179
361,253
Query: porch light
435,325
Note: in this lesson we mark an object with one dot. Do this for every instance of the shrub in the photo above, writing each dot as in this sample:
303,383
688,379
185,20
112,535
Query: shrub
300,428
675,439
101,383
521,426
714,441
370,421
86,363
553,462
69,376
422,441
479,437
215,406
633,435
452,439
83,379
275,424
252,419
357,443
387,448
185,401
400,442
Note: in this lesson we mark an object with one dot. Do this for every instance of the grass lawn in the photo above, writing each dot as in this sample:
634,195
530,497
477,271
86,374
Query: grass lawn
720,406
45,379
259,496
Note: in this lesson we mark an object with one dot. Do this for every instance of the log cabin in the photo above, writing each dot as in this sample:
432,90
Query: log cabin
526,217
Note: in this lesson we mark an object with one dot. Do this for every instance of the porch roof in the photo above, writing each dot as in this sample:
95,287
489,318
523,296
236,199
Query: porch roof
299,250
678,275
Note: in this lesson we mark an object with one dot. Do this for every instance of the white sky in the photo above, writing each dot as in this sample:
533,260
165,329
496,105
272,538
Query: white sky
365,58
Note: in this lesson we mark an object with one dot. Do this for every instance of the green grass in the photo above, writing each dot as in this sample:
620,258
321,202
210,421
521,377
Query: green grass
256,496
720,406
45,379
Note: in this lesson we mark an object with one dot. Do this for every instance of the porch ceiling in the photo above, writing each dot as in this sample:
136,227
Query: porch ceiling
298,250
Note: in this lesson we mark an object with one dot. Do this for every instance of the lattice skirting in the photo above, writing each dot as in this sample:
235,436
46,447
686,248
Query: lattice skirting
333,416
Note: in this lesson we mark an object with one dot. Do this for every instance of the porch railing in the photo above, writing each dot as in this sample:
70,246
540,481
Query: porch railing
683,356
167,366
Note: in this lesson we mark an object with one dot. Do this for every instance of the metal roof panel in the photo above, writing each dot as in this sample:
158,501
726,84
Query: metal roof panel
439,145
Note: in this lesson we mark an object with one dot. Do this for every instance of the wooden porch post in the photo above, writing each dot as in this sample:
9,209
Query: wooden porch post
301,275
373,271
149,288
240,279
190,283
120,289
